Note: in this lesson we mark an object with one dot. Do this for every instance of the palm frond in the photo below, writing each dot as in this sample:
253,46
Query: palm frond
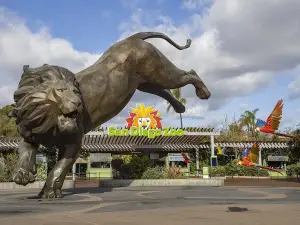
176,92
169,108
182,100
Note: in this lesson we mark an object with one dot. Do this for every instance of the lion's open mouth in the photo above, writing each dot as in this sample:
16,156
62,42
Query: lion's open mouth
71,115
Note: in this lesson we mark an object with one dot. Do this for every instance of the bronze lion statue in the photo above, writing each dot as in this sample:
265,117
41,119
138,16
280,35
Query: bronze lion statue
54,107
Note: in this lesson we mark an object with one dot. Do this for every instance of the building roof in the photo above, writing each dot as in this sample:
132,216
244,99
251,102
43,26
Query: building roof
97,142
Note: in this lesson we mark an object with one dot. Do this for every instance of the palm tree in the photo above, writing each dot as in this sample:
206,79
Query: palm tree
177,95
248,119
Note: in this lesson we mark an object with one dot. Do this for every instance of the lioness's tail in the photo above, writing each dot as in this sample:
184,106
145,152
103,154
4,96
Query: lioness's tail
146,35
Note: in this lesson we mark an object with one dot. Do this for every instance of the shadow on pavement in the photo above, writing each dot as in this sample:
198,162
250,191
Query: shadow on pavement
83,190
274,182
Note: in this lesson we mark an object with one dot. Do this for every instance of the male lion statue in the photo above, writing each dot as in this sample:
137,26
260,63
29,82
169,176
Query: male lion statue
56,108
48,110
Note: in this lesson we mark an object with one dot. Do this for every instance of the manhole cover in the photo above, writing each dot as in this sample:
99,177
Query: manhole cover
237,209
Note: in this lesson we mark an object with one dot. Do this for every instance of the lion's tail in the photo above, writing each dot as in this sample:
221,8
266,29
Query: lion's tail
146,35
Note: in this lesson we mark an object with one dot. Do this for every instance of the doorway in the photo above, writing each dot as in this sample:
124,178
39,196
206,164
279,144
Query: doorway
81,169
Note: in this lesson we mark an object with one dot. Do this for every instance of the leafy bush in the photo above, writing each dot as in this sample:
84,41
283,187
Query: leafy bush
236,170
173,172
219,171
153,173
41,171
10,160
293,170
117,163
126,171
139,165
8,163
192,167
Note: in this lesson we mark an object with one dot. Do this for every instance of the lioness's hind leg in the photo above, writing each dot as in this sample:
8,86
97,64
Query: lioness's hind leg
25,169
155,68
186,78
201,90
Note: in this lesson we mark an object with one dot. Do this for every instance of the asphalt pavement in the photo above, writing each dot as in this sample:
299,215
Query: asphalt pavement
145,205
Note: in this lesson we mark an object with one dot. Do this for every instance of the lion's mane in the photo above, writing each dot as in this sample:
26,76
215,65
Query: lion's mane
44,94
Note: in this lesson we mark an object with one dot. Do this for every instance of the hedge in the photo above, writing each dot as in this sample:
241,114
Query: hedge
293,170
235,170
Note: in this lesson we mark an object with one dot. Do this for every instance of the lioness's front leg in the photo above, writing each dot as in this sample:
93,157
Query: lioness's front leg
25,169
66,157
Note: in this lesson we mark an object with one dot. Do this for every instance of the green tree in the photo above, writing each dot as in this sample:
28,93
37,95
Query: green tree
177,95
294,148
248,119
51,155
139,165
7,125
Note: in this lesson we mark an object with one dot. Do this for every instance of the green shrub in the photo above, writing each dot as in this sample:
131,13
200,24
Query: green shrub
236,170
218,171
139,165
192,167
8,163
3,175
293,170
10,160
41,171
126,171
153,173
117,163
173,172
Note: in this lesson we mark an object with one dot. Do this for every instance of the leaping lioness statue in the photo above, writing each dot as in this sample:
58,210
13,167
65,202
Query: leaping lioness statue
55,107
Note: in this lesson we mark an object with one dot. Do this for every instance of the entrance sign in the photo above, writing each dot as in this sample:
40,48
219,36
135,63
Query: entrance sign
175,157
144,121
151,133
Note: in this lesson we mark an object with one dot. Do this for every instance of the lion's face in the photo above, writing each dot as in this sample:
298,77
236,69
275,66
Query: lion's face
52,105
69,103
144,122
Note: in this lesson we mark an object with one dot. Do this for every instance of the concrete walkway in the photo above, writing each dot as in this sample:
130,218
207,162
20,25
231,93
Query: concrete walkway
181,205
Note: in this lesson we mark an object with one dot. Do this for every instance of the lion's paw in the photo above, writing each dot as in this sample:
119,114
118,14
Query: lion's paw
50,193
23,177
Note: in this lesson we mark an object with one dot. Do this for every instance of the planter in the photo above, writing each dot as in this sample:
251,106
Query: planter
37,185
247,177
162,182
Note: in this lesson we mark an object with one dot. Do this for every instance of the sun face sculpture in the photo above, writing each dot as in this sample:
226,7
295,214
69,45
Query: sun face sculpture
144,117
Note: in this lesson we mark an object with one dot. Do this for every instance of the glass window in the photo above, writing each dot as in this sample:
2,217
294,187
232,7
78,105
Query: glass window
100,164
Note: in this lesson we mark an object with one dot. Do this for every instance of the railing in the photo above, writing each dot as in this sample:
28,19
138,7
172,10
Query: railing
85,176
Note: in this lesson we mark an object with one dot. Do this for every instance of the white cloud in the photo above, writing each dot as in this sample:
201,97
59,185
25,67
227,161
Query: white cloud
238,46
20,46
244,106
195,4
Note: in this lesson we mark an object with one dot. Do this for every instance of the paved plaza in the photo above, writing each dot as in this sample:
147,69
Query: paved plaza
164,205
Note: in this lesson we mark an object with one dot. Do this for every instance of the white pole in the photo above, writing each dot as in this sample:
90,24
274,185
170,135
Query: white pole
259,156
212,145
197,162
73,172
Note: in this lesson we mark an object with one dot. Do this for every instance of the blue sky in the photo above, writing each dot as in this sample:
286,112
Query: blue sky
92,26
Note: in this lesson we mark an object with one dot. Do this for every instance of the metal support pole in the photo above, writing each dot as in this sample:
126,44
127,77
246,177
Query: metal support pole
212,145
197,162
259,156
74,172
